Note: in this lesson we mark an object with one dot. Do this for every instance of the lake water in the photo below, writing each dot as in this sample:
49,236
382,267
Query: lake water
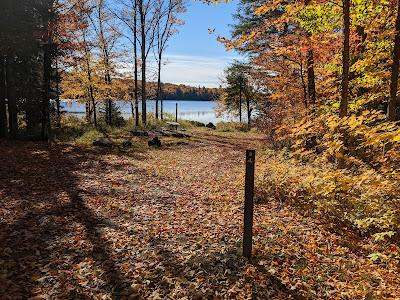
201,111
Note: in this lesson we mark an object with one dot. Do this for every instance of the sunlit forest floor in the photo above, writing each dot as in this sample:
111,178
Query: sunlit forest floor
165,223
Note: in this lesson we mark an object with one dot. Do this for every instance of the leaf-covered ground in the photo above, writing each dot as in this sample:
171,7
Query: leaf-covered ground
83,223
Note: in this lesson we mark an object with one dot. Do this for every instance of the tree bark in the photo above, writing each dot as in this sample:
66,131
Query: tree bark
106,60
88,109
311,77
110,112
46,92
11,97
58,96
143,54
393,111
158,83
311,93
132,109
162,107
91,92
303,83
89,78
346,59
248,111
3,108
240,103
162,39
136,64
94,113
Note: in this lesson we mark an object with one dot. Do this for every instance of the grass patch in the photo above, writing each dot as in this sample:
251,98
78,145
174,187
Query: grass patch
71,129
232,127
88,137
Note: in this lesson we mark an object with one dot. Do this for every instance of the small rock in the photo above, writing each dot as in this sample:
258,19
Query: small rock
259,199
103,142
163,133
178,135
155,142
139,133
197,124
211,126
127,144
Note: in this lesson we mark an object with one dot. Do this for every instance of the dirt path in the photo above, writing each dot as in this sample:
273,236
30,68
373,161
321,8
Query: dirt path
165,224
83,223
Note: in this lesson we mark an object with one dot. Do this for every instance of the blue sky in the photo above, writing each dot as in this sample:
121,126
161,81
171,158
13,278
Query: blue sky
193,56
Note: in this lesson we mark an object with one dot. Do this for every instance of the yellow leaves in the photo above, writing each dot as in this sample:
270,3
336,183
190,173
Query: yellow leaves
262,9
354,122
381,236
377,257
245,38
268,7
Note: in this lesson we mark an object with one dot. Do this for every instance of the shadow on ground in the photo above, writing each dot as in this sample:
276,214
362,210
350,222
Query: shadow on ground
52,228
41,207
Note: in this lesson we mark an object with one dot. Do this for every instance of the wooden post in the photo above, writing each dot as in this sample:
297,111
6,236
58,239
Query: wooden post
176,113
249,204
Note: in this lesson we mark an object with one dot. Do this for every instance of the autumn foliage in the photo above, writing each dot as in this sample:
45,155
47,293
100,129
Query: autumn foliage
336,142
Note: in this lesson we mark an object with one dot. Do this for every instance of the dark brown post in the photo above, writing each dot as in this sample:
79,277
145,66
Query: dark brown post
176,113
249,204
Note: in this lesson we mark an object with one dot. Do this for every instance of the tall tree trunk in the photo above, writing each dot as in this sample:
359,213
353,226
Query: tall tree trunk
88,109
94,112
110,112
91,94
136,64
158,84
393,111
132,109
311,77
137,112
3,108
143,53
248,111
109,100
303,84
11,97
240,103
58,96
346,59
108,82
311,93
106,60
89,78
46,92
162,106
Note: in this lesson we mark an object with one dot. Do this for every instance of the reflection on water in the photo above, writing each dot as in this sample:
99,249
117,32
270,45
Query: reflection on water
201,111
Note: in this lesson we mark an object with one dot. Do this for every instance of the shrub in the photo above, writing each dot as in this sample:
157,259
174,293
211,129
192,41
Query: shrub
346,170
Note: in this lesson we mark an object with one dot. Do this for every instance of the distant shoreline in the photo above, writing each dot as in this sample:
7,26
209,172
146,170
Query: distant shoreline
185,100
197,100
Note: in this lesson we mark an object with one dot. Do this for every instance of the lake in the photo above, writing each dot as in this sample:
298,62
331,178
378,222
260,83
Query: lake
201,111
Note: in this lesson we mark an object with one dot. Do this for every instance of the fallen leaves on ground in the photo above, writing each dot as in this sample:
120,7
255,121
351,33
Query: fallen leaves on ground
80,223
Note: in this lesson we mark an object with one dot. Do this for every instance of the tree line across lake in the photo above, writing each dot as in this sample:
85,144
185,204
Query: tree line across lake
170,91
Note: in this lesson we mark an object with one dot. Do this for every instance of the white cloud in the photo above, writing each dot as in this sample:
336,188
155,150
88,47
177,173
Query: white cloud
194,70
187,69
